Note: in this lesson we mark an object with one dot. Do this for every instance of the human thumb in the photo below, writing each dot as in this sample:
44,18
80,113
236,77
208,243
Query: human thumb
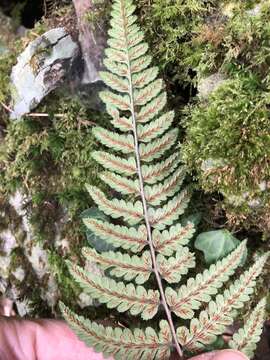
221,355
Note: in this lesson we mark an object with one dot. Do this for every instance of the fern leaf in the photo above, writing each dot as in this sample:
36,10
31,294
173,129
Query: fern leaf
152,109
140,80
116,67
133,239
121,342
190,296
122,123
121,69
120,183
129,9
168,241
146,94
123,143
114,81
160,192
218,314
115,163
121,24
116,294
246,339
123,265
138,51
149,179
154,173
140,64
173,268
157,127
121,102
116,55
157,148
170,212
131,212
134,38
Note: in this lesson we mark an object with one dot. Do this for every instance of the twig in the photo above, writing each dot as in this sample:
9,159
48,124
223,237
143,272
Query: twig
6,107
81,122
44,115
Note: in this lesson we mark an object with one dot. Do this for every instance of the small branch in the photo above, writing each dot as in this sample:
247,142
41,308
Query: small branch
6,107
44,115
80,122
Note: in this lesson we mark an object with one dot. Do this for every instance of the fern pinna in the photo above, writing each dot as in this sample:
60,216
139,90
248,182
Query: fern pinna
145,169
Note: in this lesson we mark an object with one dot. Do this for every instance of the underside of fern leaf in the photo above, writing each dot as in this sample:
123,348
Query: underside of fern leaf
144,173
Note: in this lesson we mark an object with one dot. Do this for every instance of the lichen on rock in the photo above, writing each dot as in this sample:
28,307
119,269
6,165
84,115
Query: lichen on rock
44,64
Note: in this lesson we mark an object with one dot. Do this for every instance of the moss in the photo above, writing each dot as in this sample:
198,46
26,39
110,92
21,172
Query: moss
68,289
170,32
229,44
48,159
233,125
227,134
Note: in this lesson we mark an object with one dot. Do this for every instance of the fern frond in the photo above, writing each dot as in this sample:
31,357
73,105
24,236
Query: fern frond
128,267
152,109
115,163
131,212
170,212
140,64
116,294
154,150
168,241
141,79
190,296
147,200
155,194
121,342
122,123
156,128
246,338
116,67
173,268
136,52
218,314
146,94
154,173
115,81
121,102
120,183
119,236
122,143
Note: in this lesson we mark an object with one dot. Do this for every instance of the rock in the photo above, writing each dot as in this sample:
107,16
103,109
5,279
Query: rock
92,41
84,300
34,252
45,64
212,164
255,11
209,84
19,273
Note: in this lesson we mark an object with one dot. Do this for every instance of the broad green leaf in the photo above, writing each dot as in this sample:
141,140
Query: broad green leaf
216,244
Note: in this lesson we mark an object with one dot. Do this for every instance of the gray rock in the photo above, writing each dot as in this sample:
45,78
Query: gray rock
43,65
209,84
212,164
255,11
92,41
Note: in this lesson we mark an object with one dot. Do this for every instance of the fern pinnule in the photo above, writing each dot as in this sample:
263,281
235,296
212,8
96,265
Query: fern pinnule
246,338
143,168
